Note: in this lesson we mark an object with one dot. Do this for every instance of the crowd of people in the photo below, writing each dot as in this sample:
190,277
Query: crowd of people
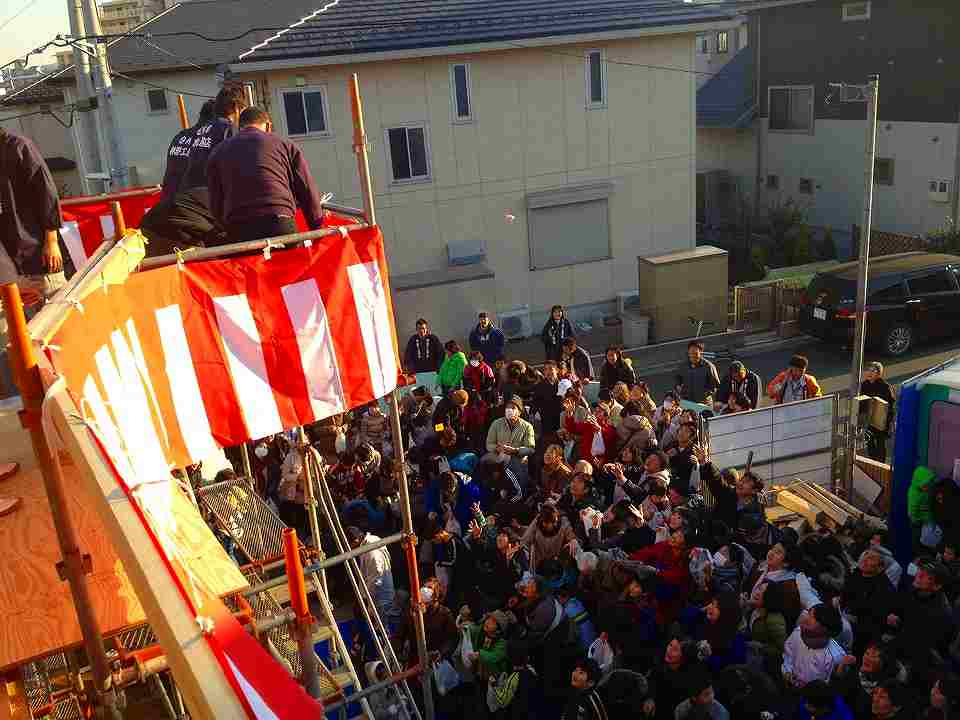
590,561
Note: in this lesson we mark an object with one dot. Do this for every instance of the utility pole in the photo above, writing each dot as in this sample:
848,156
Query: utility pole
872,92
114,155
86,134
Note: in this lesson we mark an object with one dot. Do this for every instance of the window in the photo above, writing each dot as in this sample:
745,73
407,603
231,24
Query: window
773,182
806,186
723,41
460,91
409,159
157,100
856,11
596,79
305,111
883,171
703,44
892,295
569,226
791,109
936,282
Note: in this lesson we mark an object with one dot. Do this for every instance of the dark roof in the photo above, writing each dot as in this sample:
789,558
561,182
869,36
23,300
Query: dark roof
43,94
58,163
726,99
355,26
211,18
359,26
893,264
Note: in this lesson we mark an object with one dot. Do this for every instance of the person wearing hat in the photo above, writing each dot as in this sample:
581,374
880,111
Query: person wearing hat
510,439
487,339
794,383
738,381
874,385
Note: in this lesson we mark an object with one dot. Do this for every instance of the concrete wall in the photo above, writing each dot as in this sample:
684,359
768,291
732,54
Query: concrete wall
147,135
732,150
531,131
833,157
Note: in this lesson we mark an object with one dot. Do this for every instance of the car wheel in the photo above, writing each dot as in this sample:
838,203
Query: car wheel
898,340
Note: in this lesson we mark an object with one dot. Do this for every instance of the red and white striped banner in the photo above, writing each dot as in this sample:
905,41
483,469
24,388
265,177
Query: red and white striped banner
87,225
176,361
182,360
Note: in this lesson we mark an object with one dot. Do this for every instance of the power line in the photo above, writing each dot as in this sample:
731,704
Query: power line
18,13
607,61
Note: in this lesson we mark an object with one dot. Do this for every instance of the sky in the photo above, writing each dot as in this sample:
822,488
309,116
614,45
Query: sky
39,24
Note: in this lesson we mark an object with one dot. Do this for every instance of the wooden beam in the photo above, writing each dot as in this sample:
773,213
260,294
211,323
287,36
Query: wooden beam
801,506
196,670
836,513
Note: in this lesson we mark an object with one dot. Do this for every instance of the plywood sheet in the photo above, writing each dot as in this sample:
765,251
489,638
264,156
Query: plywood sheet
36,606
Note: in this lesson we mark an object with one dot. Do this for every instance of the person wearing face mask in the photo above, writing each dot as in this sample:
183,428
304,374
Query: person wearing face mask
487,339
511,440
478,376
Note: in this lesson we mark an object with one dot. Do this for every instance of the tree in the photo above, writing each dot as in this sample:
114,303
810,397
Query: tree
828,248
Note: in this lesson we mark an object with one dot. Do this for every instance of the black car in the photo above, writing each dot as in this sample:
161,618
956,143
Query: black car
910,297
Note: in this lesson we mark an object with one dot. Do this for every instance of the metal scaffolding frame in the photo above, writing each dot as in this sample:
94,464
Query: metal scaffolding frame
102,695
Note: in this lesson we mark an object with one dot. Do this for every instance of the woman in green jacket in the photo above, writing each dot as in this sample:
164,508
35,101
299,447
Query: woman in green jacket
769,628
451,372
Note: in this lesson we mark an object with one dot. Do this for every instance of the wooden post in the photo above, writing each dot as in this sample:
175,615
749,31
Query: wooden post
360,148
184,122
119,224
75,565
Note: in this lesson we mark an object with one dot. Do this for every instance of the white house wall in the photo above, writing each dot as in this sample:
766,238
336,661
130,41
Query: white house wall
146,135
833,157
530,132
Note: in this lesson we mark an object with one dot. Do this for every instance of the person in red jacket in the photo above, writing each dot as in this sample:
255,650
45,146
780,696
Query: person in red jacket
478,377
596,437
671,558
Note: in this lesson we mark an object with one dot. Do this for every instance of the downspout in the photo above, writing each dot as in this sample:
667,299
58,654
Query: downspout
758,189
955,200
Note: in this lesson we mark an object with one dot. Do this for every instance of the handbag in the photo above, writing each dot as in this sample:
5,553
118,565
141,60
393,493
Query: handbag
446,677
601,652
464,663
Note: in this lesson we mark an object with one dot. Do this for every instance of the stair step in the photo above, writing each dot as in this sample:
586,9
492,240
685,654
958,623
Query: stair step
344,680
281,594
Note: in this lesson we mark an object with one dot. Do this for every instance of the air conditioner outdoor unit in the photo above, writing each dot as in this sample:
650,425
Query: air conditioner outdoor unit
940,191
626,300
515,322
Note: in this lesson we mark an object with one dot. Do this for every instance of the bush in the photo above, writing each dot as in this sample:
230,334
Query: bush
945,238
800,246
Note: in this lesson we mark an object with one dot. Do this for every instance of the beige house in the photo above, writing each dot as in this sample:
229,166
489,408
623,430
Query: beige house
515,166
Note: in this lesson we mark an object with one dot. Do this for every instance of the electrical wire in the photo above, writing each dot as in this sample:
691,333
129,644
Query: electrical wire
18,13
170,54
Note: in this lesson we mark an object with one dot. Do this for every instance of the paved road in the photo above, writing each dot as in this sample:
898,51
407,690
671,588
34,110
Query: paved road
829,363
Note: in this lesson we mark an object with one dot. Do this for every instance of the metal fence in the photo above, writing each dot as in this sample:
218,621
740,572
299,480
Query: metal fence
763,306
787,441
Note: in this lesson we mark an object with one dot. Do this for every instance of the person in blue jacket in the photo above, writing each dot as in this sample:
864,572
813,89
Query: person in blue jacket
487,339
456,490
820,702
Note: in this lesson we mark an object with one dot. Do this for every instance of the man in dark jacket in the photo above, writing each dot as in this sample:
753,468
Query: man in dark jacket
424,351
700,379
178,154
29,211
186,218
867,599
874,385
578,360
547,400
487,339
585,703
922,620
737,505
738,381
257,180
